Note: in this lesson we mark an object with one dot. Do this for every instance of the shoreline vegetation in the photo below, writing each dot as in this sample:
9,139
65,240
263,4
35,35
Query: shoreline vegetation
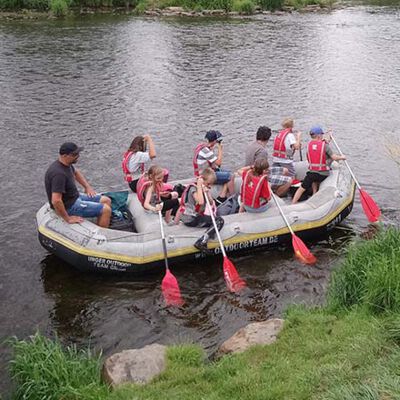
346,350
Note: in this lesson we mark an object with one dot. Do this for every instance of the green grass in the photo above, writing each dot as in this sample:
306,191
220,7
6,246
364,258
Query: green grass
42,369
243,6
369,275
348,350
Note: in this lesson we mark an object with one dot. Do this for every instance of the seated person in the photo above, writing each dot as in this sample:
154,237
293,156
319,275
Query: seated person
278,176
63,194
319,157
136,158
194,208
154,197
204,157
255,192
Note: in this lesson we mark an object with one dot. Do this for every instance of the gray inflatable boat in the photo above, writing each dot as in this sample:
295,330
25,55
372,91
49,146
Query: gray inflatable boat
91,248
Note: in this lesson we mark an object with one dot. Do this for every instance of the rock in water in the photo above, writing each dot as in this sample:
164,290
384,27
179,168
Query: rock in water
135,366
256,333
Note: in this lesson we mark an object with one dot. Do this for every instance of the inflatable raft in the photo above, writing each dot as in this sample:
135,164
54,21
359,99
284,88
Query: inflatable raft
91,248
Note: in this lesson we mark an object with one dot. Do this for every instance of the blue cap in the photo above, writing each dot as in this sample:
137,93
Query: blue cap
211,136
316,130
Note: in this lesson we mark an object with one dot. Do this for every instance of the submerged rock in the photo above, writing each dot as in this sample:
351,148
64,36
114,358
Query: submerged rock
256,333
135,366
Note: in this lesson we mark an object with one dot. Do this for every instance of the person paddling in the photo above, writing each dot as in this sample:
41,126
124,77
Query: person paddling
153,196
319,156
255,193
194,210
136,158
63,194
285,145
204,157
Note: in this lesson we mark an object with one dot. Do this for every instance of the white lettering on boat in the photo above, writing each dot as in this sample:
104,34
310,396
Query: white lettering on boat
248,244
105,263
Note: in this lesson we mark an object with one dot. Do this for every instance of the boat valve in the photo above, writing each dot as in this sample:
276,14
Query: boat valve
171,239
236,229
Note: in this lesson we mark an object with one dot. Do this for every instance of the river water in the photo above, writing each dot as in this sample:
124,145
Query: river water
101,80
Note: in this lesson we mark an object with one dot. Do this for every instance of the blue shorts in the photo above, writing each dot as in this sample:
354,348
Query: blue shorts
223,176
256,210
86,207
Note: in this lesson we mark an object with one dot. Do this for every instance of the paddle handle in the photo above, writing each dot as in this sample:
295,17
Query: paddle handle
205,195
164,244
345,162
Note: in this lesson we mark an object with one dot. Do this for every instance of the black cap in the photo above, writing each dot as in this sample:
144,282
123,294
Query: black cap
69,148
211,136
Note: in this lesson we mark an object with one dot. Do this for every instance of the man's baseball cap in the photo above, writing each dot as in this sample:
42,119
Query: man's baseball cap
316,130
69,148
211,136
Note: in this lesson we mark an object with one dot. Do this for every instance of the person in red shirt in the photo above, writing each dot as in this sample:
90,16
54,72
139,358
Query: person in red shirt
255,192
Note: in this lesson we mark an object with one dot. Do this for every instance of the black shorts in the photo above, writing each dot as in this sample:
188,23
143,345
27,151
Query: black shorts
312,177
133,185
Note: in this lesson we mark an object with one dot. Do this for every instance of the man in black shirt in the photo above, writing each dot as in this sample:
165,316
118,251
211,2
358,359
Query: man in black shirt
63,194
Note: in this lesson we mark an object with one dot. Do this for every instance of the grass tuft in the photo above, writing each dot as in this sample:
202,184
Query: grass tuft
243,6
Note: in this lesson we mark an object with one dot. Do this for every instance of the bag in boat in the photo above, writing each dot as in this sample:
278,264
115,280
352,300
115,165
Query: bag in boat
229,206
121,217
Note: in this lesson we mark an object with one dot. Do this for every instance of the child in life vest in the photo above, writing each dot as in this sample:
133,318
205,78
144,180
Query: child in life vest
285,145
195,212
152,193
255,192
136,158
319,156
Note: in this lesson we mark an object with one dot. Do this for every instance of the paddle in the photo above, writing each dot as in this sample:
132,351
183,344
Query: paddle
371,209
232,278
169,285
301,251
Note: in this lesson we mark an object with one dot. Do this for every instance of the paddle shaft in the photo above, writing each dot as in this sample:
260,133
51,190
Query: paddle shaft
164,244
205,195
346,163
280,210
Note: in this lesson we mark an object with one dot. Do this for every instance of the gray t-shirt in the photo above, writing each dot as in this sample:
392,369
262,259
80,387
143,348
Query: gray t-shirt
255,151
205,157
61,179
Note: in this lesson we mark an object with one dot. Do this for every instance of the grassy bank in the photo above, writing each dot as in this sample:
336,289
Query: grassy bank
346,350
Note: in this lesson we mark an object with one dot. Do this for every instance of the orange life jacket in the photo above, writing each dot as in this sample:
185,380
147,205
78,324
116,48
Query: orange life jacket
184,198
143,184
125,161
316,156
251,189
279,143
197,150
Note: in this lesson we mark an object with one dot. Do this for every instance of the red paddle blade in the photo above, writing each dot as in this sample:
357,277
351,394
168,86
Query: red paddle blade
371,209
232,278
170,290
301,251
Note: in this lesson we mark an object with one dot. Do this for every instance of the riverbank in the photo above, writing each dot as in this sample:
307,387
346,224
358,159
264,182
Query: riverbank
348,349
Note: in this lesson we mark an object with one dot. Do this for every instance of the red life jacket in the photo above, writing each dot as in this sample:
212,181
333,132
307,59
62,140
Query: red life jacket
197,150
279,143
251,190
125,161
143,184
316,156
184,199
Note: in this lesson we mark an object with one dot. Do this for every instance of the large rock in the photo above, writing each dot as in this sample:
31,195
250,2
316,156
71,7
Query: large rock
256,333
135,366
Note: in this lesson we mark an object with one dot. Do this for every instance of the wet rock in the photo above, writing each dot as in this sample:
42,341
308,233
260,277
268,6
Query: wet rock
135,366
256,333
218,12
174,9
152,13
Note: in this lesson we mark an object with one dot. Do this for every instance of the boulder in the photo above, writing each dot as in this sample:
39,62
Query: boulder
135,366
256,333
174,9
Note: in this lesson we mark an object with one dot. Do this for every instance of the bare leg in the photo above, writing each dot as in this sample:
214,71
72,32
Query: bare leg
178,216
224,191
298,194
105,200
315,187
283,189
231,185
168,216
241,209
103,219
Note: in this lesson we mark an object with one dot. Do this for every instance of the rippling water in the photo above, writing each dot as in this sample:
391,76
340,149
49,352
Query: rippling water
101,80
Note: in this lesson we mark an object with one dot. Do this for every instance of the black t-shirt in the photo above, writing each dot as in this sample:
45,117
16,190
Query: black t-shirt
61,179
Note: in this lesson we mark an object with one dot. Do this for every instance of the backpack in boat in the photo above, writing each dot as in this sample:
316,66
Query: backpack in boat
229,206
121,217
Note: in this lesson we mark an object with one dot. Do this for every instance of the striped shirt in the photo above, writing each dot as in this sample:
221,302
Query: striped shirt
205,156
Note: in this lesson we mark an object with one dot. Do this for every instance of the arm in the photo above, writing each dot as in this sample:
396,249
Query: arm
152,150
198,195
81,179
218,161
147,205
337,157
297,145
56,201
